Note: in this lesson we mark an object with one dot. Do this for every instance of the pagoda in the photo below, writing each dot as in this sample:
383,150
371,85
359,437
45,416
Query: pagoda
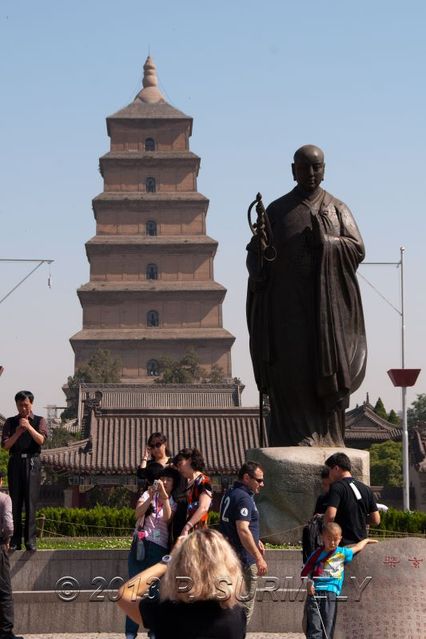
151,291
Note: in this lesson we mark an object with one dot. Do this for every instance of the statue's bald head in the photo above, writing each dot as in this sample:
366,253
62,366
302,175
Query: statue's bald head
308,167
309,154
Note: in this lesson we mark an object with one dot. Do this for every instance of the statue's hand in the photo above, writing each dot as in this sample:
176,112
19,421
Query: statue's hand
318,236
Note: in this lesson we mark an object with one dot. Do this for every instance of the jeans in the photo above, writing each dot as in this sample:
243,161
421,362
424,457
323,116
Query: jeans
153,554
321,606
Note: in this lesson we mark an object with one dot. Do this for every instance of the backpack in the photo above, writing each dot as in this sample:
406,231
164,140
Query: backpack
312,535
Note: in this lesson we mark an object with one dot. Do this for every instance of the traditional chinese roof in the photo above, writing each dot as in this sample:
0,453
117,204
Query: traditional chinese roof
149,103
117,442
120,398
362,423
418,447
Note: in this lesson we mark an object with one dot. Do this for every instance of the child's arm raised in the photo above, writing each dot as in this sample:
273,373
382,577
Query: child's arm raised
362,544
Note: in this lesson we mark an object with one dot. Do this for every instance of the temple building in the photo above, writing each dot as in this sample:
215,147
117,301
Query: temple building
152,291
363,427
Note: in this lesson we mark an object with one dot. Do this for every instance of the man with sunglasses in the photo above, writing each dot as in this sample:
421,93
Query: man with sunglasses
239,523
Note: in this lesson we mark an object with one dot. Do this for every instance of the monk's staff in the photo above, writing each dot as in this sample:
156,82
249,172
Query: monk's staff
320,616
265,251
262,230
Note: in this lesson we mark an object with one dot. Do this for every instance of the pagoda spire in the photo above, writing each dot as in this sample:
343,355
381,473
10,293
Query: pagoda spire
150,93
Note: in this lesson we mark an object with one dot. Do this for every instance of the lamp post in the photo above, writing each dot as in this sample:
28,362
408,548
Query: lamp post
402,377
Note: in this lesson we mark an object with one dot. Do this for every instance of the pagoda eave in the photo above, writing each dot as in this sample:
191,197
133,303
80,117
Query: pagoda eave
158,335
187,197
159,156
153,286
145,160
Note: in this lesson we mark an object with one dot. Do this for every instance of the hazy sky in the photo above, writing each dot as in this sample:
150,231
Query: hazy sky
260,80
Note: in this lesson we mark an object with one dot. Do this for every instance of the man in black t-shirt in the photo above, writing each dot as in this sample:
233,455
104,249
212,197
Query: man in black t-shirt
351,503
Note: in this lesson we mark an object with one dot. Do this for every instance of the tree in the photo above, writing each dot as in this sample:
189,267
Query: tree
187,370
380,409
4,459
417,412
386,464
393,418
60,437
215,375
101,368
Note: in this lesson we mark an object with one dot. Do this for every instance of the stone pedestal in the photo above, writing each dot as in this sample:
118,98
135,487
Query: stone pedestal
292,485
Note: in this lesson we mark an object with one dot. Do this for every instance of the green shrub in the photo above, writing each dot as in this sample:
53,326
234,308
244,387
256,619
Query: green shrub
400,521
100,521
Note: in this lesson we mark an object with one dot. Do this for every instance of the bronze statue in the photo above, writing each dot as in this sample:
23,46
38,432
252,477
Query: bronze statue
304,312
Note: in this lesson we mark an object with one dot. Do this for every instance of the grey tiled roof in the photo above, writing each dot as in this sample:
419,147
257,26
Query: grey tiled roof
363,423
117,443
117,440
418,447
122,397
142,110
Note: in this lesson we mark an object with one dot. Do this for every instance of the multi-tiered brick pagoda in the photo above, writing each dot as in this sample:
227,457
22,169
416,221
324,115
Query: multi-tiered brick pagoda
151,291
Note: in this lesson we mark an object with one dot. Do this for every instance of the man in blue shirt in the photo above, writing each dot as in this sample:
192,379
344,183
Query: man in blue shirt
239,523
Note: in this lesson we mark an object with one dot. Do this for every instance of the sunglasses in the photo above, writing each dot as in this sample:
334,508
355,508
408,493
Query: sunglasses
259,481
156,445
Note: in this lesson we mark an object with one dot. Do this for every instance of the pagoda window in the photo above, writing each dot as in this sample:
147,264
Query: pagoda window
153,368
152,272
149,144
152,318
151,227
150,185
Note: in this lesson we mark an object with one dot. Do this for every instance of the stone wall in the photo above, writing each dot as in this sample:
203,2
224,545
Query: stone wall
383,595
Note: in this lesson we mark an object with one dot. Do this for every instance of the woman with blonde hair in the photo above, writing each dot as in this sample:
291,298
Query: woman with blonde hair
198,593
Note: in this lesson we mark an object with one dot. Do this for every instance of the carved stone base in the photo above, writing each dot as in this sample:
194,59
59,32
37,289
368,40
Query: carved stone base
292,485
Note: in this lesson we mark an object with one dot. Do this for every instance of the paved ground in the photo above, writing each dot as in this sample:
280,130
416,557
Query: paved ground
103,635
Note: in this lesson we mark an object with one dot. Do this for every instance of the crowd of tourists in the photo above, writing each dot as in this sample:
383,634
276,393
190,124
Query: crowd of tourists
206,586
208,582
186,579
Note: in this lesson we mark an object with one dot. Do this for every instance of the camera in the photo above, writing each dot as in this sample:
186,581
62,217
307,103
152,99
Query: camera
155,484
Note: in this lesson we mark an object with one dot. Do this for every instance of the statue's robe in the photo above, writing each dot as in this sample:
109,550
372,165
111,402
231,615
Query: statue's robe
305,319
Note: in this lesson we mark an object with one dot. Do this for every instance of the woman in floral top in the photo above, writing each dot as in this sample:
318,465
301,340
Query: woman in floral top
190,464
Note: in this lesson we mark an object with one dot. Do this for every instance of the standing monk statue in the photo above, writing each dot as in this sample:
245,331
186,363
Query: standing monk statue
304,312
